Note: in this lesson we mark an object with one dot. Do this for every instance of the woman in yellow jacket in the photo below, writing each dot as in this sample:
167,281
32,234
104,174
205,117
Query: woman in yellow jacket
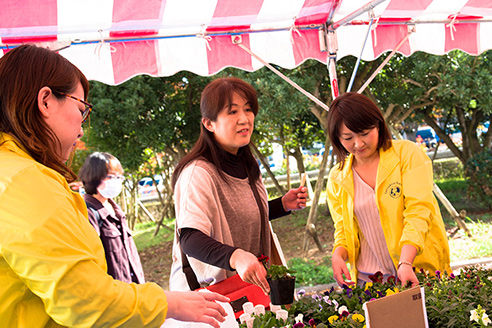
53,271
380,197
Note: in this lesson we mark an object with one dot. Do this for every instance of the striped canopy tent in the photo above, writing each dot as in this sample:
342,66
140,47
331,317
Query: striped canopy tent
114,40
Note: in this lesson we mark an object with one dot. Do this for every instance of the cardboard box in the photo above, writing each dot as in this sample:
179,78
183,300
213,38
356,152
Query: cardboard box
403,310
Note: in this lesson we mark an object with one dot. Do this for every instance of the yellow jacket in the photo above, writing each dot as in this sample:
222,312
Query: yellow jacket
408,210
52,263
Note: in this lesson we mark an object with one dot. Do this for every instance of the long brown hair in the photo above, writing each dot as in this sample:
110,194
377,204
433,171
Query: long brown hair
215,97
23,72
358,113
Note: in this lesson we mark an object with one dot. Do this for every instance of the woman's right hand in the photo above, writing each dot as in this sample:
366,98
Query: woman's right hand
339,265
250,269
196,307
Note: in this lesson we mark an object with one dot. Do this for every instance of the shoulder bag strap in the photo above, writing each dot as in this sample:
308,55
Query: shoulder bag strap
188,271
96,214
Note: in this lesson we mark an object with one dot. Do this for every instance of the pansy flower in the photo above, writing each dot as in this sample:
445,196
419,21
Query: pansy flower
264,260
342,309
358,317
332,319
377,277
392,280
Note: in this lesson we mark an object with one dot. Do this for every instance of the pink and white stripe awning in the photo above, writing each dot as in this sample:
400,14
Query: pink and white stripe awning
162,37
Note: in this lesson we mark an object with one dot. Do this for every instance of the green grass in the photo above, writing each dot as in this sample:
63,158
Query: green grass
455,191
310,273
143,234
478,246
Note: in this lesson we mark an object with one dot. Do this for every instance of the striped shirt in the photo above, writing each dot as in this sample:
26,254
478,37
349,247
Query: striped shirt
374,255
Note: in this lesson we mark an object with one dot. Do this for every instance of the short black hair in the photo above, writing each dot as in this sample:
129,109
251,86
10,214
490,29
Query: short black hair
95,169
358,113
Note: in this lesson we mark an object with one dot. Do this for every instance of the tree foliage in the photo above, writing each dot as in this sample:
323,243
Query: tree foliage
146,116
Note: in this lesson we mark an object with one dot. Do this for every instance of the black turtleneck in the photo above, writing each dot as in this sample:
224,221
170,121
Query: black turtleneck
198,245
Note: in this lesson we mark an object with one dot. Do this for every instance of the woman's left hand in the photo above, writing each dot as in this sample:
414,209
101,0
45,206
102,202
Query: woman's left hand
295,199
407,275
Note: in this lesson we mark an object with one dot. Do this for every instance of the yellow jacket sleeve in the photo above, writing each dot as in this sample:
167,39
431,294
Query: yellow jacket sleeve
420,206
52,264
336,212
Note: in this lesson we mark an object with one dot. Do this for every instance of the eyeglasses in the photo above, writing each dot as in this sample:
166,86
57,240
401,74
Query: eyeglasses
112,176
88,107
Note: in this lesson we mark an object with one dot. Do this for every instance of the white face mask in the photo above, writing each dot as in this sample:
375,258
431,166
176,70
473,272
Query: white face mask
112,188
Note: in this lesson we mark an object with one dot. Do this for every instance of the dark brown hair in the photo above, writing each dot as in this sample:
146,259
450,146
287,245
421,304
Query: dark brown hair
96,167
23,72
358,113
216,96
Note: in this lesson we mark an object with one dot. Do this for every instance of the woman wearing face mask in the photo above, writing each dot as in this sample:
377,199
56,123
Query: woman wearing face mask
102,176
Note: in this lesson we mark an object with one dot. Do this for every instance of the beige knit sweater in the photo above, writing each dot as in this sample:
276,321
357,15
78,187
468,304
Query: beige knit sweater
227,212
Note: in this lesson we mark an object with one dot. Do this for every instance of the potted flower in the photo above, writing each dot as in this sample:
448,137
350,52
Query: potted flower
282,284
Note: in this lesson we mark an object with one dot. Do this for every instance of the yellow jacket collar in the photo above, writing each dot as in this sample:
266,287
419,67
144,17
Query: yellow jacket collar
388,160
11,144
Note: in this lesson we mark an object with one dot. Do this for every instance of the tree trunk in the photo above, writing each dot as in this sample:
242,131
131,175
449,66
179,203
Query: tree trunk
444,137
287,155
266,165
310,224
299,159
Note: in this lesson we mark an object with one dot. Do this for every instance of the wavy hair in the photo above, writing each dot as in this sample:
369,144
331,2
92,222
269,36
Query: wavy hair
23,72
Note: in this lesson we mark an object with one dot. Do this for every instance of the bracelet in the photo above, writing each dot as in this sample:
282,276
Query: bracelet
403,262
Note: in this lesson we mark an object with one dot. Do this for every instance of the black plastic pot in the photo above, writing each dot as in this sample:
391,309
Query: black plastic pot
282,291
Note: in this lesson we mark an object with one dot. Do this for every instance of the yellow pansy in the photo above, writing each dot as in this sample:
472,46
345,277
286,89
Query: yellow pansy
358,317
333,318
368,285
391,292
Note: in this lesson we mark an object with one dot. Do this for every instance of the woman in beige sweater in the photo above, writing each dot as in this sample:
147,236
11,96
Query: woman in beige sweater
222,210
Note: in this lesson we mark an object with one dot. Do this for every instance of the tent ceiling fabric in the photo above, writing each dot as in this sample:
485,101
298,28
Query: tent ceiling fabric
163,37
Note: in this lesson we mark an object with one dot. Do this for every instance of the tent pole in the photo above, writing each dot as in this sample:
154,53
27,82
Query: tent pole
332,62
356,13
411,29
352,78
237,40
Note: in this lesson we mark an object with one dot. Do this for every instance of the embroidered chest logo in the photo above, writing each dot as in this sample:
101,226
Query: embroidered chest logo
394,189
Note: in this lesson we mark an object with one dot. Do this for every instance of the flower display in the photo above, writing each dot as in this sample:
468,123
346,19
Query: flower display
480,316
461,300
